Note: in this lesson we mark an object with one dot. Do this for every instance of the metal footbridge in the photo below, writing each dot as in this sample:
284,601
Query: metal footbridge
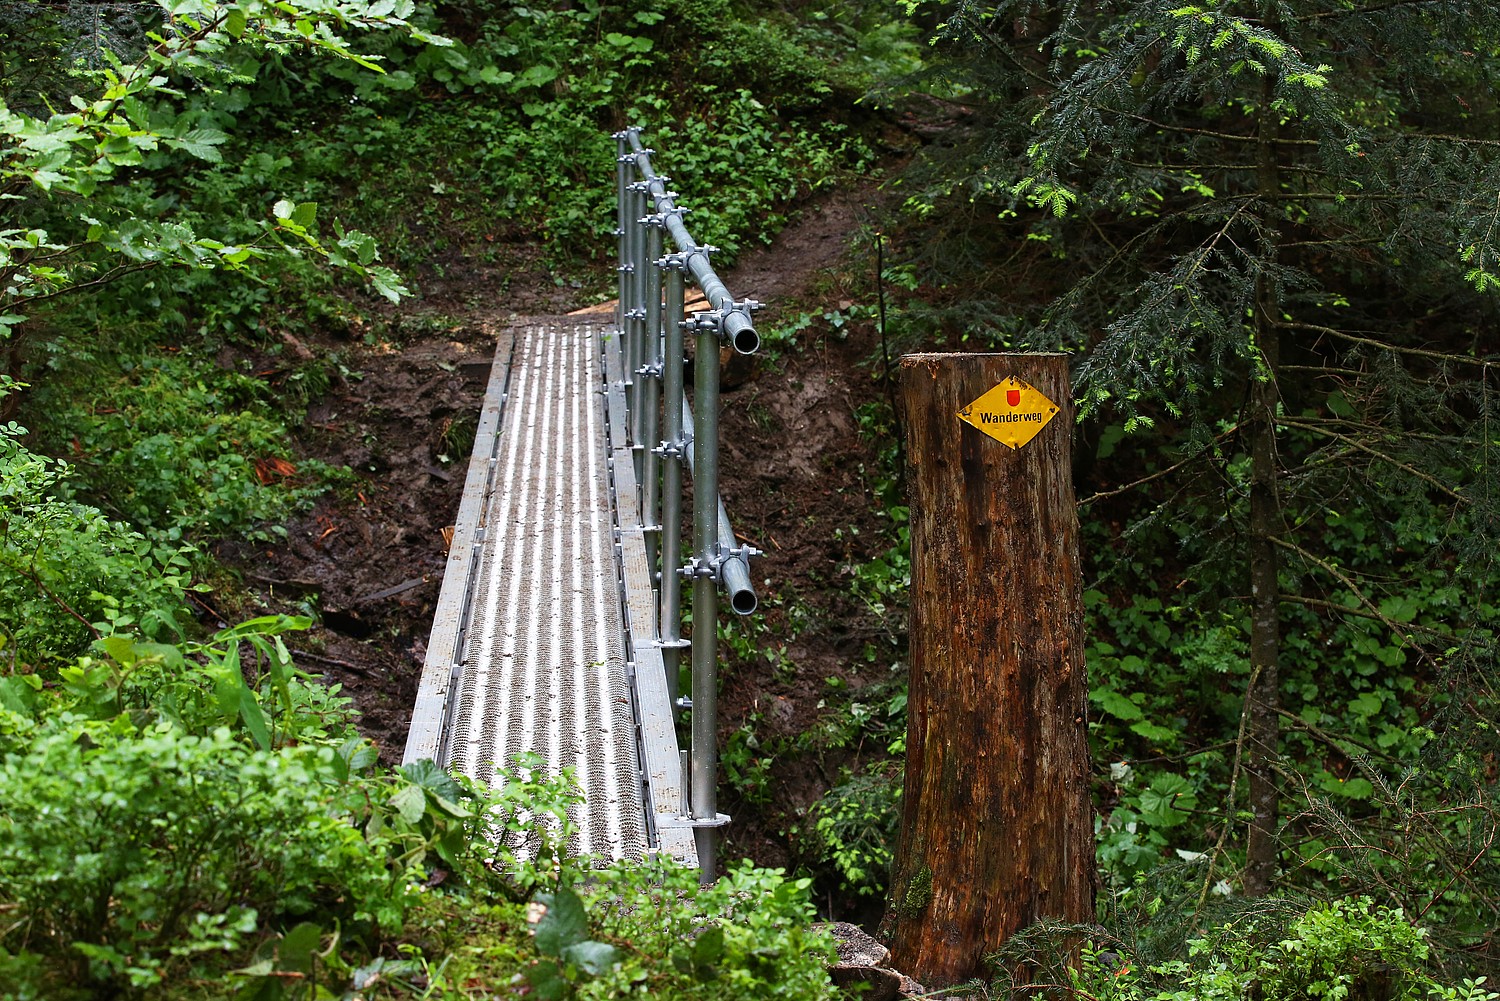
557,641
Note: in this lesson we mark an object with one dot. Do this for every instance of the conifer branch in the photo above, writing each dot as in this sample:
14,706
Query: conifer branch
1287,168
1008,51
1354,443
1382,345
1462,140
1377,8
1327,459
1106,494
1336,741
1324,371
1397,628
1455,876
1234,779
1367,241
1204,251
1230,136
1333,606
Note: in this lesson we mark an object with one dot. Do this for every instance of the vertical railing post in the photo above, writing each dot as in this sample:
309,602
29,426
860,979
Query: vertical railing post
705,571
649,394
623,161
673,448
636,323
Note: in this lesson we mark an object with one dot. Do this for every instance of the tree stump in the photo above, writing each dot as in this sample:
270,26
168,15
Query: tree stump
996,827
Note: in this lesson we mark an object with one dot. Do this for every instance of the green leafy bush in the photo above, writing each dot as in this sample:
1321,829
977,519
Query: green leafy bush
165,814
651,929
854,826
205,812
65,566
532,94
179,448
126,845
1349,949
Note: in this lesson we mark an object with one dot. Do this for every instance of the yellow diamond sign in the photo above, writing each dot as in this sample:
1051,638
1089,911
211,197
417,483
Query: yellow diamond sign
1012,412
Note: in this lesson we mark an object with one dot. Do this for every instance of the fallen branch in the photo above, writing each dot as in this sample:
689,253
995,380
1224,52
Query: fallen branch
333,662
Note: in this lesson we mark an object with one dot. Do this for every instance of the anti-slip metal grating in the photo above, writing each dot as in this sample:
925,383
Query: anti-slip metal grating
528,651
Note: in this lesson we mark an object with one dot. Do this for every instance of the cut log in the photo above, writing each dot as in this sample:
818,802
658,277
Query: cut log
996,827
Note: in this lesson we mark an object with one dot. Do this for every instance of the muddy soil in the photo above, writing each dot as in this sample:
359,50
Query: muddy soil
797,479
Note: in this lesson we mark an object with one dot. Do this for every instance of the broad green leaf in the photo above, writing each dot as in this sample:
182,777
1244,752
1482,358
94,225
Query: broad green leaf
16,695
387,284
1154,733
410,802
563,923
709,947
451,808
1166,802
297,947
1115,704
546,981
1355,788
120,649
536,76
430,776
595,958
201,143
358,754
245,702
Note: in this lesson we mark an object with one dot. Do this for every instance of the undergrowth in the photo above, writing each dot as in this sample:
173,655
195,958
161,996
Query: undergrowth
201,819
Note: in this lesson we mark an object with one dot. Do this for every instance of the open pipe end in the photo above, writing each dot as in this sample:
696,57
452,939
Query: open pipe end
747,341
743,601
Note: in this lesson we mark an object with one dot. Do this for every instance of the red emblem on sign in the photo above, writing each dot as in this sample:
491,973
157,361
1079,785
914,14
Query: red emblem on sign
1013,397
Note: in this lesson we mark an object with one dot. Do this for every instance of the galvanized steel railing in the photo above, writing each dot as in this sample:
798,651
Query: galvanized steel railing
667,436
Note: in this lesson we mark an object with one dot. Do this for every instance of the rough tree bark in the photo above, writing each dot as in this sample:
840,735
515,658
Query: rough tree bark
996,822
1263,701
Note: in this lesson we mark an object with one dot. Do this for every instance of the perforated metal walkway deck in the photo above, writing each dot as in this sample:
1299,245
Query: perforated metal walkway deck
529,649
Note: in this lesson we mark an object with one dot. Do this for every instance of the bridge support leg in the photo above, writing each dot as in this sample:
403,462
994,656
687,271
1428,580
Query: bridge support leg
634,331
650,394
705,752
672,459
623,159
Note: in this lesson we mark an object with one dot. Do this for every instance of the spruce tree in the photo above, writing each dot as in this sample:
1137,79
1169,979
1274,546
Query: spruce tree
1274,232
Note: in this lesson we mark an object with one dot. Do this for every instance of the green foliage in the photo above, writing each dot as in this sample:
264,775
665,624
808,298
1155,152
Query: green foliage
1346,948
179,449
650,929
853,826
66,566
129,846
747,764
162,812
205,812
562,936
883,582
69,226
1167,674
532,95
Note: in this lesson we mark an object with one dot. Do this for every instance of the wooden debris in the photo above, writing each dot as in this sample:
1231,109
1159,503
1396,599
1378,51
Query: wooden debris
391,592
